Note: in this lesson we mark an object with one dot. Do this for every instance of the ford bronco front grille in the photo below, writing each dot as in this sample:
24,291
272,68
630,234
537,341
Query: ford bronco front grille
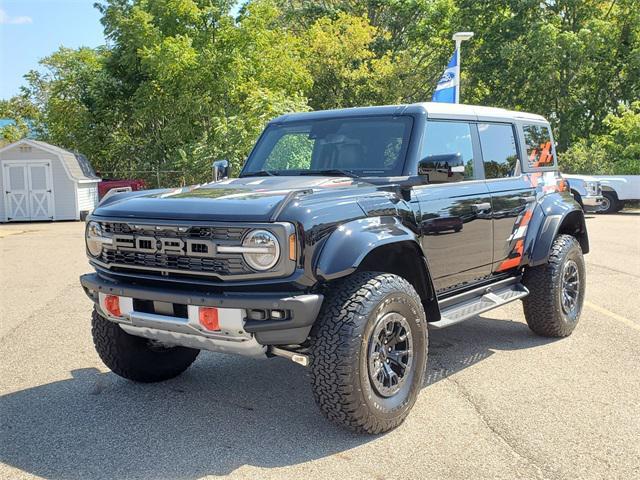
173,249
222,266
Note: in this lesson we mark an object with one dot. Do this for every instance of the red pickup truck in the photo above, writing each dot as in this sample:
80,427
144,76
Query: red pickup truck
106,185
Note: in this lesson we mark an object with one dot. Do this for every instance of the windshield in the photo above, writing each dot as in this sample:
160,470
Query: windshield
373,146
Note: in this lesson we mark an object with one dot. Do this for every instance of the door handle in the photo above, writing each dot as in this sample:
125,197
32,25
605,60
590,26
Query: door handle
482,206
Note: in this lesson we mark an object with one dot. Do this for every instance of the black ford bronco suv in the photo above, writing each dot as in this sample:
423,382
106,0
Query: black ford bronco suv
347,236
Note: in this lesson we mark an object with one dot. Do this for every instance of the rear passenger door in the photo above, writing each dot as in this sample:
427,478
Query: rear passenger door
512,195
455,207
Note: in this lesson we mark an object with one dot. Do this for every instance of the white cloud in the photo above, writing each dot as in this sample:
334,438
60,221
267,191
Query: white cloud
6,19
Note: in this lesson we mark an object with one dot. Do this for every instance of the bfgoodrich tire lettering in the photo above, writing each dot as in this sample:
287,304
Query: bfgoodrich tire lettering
341,337
136,358
554,304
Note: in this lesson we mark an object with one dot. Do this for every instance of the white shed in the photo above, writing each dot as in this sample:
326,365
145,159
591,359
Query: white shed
44,182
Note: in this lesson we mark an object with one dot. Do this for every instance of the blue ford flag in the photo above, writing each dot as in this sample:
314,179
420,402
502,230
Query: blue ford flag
448,83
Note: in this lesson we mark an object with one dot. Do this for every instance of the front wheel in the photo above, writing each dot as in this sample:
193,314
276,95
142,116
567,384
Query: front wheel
609,203
556,290
137,358
369,352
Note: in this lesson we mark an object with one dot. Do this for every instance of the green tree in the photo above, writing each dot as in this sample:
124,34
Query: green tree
71,94
572,61
23,119
382,51
181,83
616,151
344,68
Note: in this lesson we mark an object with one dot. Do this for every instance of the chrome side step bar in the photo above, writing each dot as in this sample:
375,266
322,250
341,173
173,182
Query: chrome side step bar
461,307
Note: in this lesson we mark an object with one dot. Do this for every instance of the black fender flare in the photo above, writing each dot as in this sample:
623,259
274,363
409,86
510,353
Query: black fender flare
350,244
554,216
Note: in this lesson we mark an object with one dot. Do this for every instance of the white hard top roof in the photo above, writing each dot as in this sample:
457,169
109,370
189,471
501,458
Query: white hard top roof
436,110
432,110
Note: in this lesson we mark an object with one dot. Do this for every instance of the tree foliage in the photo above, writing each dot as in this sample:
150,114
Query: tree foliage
182,82
614,152
572,61
20,116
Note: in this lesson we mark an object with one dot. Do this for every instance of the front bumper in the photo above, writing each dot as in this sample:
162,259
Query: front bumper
592,200
301,310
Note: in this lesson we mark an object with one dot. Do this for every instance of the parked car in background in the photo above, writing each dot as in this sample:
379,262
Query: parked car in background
586,190
618,189
122,186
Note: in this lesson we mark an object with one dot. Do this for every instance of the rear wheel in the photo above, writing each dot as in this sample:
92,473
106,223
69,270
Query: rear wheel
369,351
556,290
137,358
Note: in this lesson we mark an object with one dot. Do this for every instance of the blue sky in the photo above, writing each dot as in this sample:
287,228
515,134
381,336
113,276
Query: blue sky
33,29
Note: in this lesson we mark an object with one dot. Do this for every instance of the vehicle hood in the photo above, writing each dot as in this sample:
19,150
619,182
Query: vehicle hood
585,178
242,199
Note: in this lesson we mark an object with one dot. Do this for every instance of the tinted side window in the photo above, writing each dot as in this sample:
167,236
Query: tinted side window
499,150
447,152
539,151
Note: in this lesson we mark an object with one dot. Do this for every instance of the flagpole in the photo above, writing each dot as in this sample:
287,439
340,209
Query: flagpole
458,44
459,37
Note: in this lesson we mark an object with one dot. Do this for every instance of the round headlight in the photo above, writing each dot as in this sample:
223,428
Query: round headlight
262,249
93,237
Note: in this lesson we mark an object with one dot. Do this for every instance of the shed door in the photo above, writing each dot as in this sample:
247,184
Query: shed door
28,191
17,191
39,191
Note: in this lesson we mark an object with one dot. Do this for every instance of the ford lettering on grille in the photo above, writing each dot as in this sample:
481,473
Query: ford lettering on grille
190,247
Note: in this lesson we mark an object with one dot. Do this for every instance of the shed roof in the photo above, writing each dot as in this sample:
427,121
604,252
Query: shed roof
76,164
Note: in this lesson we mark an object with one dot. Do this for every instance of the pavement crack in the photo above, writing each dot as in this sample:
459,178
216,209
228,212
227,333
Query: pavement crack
512,446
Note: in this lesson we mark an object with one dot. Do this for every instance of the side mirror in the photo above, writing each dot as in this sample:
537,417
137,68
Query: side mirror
220,170
442,168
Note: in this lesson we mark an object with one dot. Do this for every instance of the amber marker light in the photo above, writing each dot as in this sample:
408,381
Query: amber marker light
292,247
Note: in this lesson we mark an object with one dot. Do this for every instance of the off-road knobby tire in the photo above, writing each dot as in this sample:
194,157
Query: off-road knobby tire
543,306
340,337
133,357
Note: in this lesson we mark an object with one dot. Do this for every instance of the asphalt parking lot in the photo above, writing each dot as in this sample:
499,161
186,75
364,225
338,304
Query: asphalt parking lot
498,402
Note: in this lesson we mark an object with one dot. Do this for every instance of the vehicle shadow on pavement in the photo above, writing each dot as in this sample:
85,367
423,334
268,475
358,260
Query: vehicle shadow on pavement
223,413
463,345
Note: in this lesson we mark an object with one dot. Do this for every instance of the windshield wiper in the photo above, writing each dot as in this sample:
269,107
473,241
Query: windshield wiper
261,173
330,171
